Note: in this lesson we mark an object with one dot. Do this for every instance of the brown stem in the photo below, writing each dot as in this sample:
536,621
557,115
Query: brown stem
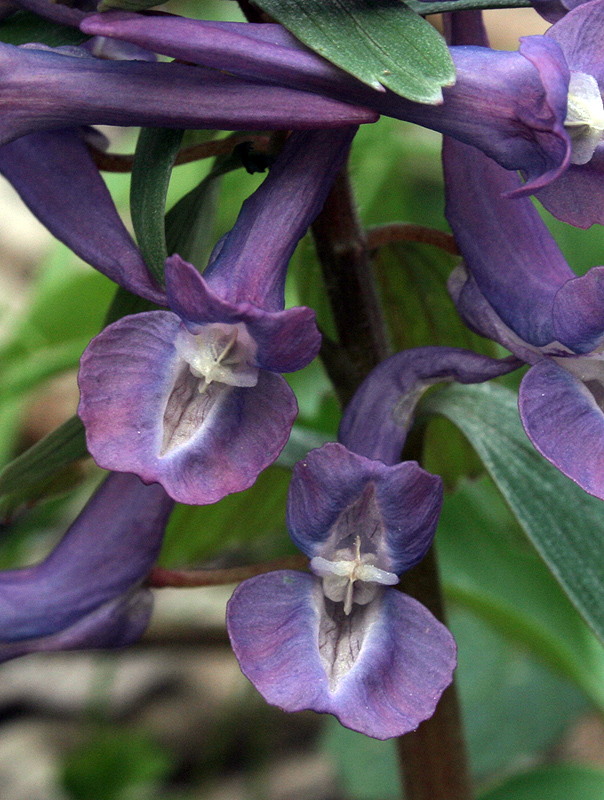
433,758
118,162
346,265
380,235
161,578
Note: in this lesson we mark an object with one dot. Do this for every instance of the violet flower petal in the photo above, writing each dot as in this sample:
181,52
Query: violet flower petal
144,413
42,89
576,197
86,593
59,182
376,421
578,312
579,34
405,661
565,423
518,267
286,340
510,105
334,488
252,262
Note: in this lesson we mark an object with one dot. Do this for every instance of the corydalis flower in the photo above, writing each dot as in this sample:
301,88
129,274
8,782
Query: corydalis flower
88,592
192,397
342,640
510,105
517,288
46,89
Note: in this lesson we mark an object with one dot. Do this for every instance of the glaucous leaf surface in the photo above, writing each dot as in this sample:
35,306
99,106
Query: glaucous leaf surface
381,44
155,152
489,567
563,522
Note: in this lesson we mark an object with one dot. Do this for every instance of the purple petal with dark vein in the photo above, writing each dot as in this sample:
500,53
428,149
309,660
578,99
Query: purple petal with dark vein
576,196
580,34
504,243
117,623
144,413
406,657
402,510
376,421
41,89
565,423
109,549
287,340
59,182
579,312
480,316
510,106
253,259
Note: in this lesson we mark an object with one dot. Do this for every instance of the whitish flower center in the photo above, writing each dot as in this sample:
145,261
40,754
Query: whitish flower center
584,116
221,353
350,577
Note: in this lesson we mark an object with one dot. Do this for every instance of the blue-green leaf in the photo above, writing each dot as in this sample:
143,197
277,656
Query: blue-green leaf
380,42
563,522
154,157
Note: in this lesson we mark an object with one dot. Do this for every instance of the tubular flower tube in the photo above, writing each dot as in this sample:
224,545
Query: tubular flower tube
516,288
191,397
88,592
510,105
57,179
342,640
46,89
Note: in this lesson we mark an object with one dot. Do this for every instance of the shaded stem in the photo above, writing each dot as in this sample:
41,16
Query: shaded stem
120,162
380,235
162,578
346,265
433,758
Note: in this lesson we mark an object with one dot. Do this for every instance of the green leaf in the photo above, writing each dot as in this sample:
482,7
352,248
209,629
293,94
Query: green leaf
23,375
189,223
154,157
115,764
198,533
23,27
558,782
563,522
504,581
380,42
514,709
43,469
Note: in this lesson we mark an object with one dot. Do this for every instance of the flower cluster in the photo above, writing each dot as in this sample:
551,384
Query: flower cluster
186,402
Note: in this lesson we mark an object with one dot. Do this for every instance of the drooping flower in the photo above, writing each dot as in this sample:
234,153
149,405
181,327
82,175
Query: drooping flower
516,287
88,592
46,89
192,397
57,179
510,105
342,640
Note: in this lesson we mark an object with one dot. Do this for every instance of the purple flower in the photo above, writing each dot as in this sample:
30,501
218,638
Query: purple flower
341,640
510,105
191,397
46,89
88,592
57,179
516,288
